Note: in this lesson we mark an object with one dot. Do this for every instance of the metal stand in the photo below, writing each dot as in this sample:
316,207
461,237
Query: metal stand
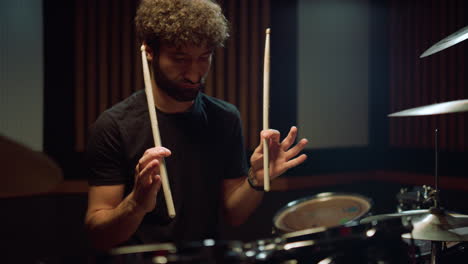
436,246
436,250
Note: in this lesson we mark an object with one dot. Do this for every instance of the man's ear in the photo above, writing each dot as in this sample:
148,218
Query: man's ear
149,52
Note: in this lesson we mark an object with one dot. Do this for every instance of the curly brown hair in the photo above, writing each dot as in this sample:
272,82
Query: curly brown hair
181,22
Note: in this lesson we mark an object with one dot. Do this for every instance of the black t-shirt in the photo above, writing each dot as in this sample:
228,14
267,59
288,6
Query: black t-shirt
207,147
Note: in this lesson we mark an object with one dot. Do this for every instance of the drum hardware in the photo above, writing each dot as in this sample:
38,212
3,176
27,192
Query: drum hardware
437,225
417,198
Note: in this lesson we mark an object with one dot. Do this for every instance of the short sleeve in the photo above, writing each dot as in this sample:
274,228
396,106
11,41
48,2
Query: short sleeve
104,153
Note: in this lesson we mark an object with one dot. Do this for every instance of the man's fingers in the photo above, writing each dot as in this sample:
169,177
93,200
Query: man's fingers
144,176
155,183
292,152
296,161
272,135
289,139
152,154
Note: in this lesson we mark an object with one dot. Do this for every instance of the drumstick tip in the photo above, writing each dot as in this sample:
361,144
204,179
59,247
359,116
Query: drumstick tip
143,47
268,31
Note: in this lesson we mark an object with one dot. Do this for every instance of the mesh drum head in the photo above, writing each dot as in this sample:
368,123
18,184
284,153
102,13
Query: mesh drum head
323,210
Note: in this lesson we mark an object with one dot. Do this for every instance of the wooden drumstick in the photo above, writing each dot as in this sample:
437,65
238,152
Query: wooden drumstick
155,129
266,106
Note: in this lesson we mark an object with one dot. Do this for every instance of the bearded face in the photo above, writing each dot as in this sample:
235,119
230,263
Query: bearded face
181,72
180,90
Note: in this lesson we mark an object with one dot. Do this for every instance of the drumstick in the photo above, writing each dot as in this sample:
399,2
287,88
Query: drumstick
155,129
266,106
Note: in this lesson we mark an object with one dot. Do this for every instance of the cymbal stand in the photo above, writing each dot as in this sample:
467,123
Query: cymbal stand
436,246
436,170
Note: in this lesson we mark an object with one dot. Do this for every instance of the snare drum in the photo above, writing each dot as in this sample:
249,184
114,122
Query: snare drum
322,210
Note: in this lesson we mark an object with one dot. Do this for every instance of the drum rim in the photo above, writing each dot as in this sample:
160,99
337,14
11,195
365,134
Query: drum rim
134,249
319,195
174,247
322,230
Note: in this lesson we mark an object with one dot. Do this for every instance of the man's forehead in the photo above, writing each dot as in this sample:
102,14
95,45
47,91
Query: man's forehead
187,49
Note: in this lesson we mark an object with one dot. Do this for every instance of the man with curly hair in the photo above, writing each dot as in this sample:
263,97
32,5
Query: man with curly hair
202,139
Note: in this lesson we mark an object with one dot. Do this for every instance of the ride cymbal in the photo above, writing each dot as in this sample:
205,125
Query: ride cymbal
435,109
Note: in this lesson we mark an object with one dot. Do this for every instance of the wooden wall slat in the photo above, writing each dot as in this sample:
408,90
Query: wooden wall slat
425,96
91,67
80,123
254,69
407,89
451,81
114,51
220,66
461,82
392,68
442,87
127,48
209,84
416,64
103,59
219,70
243,64
232,85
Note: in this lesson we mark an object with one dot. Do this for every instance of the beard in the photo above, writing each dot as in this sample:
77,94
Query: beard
175,91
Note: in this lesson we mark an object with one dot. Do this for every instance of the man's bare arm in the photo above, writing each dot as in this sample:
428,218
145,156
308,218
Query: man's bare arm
112,219
240,200
109,219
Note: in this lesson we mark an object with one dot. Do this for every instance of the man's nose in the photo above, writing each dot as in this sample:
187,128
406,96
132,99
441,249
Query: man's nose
193,73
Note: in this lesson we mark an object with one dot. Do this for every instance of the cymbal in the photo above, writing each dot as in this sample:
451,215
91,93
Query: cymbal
25,171
439,225
403,214
447,42
430,224
434,109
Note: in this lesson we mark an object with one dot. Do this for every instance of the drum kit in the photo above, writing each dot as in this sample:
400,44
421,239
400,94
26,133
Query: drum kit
335,228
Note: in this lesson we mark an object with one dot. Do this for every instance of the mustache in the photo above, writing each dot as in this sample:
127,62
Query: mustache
201,81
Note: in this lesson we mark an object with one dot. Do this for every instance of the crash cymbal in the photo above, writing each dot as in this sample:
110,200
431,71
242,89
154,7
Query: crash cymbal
435,109
439,225
25,171
447,42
